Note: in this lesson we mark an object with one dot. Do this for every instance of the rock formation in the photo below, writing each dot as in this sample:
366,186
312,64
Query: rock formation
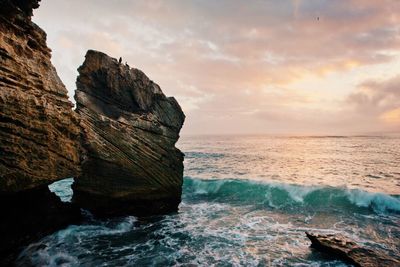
39,132
127,126
39,137
347,250
130,131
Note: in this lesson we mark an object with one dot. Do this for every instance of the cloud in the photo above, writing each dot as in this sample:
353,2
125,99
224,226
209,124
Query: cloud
259,67
377,96
378,101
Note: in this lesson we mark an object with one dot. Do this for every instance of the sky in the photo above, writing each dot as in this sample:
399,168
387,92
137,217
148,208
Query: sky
296,67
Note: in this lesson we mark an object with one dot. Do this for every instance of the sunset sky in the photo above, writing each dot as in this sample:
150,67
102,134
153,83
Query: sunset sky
239,67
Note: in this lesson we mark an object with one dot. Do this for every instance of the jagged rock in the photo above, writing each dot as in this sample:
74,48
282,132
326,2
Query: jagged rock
39,132
130,131
347,250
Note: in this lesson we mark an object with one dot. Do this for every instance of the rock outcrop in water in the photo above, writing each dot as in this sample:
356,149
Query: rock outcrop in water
39,133
347,250
130,131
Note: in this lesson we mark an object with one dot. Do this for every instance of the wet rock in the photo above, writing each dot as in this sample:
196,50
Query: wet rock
348,251
29,215
130,130
39,132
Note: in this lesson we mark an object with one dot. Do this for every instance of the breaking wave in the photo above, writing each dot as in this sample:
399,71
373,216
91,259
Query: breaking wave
285,196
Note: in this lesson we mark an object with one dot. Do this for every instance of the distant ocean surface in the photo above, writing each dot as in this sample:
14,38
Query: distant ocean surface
247,201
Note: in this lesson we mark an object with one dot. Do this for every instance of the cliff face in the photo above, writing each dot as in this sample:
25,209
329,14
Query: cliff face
130,131
39,132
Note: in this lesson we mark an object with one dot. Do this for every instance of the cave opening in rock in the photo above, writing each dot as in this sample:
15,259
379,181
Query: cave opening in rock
63,189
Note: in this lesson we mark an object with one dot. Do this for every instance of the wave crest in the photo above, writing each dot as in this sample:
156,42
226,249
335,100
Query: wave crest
279,195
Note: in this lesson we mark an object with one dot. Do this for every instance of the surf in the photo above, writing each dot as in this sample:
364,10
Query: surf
289,196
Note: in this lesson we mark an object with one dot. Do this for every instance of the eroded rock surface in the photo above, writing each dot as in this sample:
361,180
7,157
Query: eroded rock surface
130,131
39,132
347,250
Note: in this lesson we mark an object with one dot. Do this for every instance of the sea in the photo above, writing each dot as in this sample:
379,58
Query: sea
248,201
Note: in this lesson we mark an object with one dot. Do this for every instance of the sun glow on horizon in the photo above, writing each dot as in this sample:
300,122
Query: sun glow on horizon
392,116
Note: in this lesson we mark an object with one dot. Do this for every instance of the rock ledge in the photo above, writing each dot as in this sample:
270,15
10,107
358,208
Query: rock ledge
348,251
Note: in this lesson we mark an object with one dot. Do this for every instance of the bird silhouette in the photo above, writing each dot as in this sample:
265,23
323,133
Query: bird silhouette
120,60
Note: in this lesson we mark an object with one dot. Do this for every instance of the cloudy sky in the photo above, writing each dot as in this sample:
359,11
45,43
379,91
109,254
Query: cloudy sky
238,67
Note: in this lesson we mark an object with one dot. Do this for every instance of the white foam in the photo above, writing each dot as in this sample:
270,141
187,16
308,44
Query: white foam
378,201
297,193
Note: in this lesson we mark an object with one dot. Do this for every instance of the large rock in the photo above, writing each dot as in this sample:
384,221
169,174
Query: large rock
39,132
341,247
130,131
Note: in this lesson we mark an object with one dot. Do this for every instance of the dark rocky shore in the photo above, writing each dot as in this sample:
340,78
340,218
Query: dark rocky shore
119,144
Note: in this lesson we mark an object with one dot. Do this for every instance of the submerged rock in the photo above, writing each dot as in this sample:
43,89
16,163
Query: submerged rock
130,131
347,250
39,132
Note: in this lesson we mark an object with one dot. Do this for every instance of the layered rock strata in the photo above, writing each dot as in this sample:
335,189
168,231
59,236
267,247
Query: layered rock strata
130,130
39,133
348,251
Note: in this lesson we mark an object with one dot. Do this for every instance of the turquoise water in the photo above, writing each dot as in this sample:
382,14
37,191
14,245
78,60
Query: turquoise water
247,201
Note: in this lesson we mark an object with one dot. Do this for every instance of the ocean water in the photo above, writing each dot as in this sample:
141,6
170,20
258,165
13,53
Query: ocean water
247,201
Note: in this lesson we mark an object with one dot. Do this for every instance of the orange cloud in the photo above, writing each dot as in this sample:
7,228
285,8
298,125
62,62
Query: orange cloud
392,116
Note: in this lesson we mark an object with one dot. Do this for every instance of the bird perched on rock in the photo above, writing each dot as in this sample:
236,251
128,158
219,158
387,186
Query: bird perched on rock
120,60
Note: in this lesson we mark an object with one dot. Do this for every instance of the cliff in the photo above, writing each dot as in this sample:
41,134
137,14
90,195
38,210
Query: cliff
39,137
39,133
130,131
